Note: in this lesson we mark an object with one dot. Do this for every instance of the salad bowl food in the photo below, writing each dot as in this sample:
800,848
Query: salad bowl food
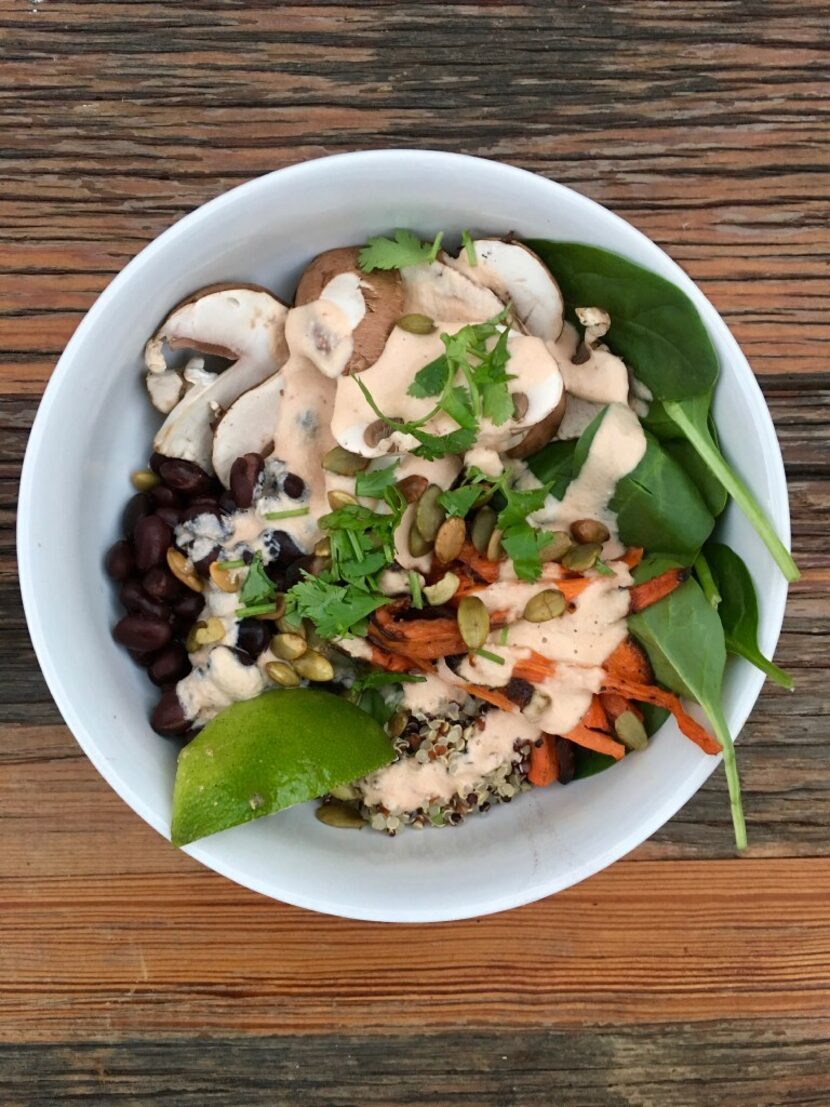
425,524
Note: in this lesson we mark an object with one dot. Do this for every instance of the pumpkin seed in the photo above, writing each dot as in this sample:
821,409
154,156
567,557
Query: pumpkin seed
590,530
429,514
494,547
415,323
209,632
344,462
313,666
338,498
549,604
473,622
557,547
340,815
397,724
182,569
580,558
412,487
482,529
631,731
288,646
536,707
277,613
144,479
418,545
344,792
443,590
282,674
225,580
323,548
190,643
289,628
450,539
520,406
376,432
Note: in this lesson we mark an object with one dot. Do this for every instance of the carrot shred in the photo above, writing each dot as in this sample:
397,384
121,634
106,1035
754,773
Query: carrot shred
582,735
482,566
490,695
616,705
544,764
468,587
632,556
650,693
595,717
650,591
629,661
534,668
393,663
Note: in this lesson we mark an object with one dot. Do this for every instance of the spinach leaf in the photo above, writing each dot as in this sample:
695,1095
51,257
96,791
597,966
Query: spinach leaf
589,763
684,640
714,494
707,581
654,326
554,465
738,610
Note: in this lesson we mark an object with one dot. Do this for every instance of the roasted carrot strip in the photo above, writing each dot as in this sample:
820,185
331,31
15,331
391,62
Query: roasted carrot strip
615,705
650,591
544,764
535,668
650,693
595,717
596,740
468,587
490,695
632,556
630,662
482,566
393,663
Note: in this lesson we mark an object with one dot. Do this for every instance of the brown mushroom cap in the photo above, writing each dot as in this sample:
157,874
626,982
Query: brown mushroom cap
382,292
541,433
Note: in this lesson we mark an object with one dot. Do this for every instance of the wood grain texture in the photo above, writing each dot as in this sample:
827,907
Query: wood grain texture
681,977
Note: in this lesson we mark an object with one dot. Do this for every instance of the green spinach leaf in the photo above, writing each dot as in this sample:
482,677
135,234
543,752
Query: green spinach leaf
738,610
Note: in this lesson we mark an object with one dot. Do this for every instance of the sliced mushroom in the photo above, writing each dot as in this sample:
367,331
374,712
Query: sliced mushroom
541,433
247,426
517,276
594,373
442,292
245,325
346,315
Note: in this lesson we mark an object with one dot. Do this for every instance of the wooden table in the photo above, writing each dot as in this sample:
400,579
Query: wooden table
681,976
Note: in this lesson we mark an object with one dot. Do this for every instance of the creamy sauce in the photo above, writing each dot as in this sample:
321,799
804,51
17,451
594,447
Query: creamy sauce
431,696
407,785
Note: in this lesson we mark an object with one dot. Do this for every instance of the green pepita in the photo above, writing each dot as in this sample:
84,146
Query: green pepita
340,815
282,674
288,646
182,569
207,633
144,479
549,604
415,323
450,539
473,622
580,558
631,731
344,462
590,530
557,547
397,724
344,792
338,498
494,546
429,514
323,548
537,706
418,545
443,590
288,627
482,529
313,666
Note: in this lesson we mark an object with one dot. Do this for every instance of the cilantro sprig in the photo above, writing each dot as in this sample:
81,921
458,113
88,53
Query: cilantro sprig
400,252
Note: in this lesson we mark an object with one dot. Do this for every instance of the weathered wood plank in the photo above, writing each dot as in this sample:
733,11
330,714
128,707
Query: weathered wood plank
690,1065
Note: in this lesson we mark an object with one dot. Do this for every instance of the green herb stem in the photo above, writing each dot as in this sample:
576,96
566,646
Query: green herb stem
503,636
415,589
467,243
240,564
255,609
707,581
293,513
715,713
736,488
490,656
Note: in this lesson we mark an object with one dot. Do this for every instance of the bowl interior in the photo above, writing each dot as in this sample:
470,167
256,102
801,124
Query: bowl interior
95,425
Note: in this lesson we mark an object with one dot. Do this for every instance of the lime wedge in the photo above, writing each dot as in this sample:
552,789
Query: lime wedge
257,757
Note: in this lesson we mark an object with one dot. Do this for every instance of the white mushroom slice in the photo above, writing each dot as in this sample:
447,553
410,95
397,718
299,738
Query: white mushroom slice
165,389
594,373
442,292
247,426
517,276
244,324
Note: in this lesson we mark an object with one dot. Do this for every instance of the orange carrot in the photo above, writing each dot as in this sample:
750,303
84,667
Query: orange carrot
582,735
535,668
489,695
393,663
595,717
468,587
482,566
650,693
615,705
544,764
629,660
650,591
632,556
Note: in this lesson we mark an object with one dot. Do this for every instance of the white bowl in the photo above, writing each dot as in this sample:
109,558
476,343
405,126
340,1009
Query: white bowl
94,426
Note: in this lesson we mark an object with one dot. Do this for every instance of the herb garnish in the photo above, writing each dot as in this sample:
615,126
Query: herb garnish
400,252
258,590
488,656
415,589
291,513
467,243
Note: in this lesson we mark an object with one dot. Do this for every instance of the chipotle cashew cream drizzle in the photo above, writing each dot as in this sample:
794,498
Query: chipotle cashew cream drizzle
320,407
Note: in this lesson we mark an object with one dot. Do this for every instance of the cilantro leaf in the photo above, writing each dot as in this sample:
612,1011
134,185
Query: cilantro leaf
257,588
467,243
431,380
460,500
403,250
379,678
433,446
523,546
520,504
375,482
335,610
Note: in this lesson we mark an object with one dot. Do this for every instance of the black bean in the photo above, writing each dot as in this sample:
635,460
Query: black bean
293,486
287,548
160,584
276,575
253,636
519,691
244,658
168,718
171,515
190,605
145,659
205,501
566,759
202,566
170,665
142,632
188,514
164,497
135,600
138,506
152,538
245,472
294,573
156,461
184,476
228,504
453,661
120,561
